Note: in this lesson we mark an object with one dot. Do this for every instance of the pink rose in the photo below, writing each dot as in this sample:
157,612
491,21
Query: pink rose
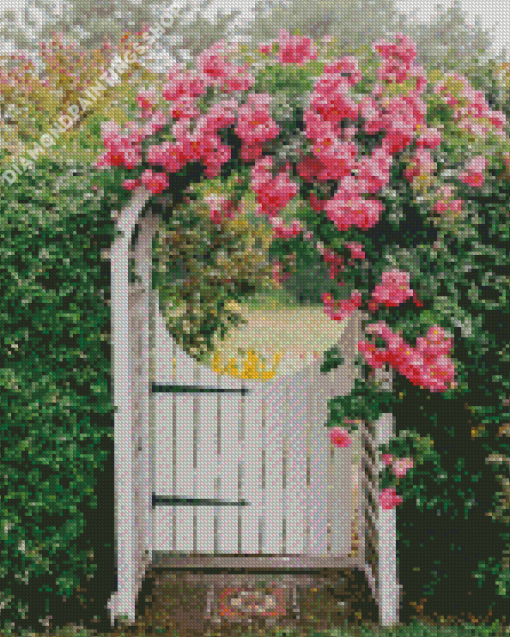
155,182
339,437
388,499
387,458
131,184
401,466
356,249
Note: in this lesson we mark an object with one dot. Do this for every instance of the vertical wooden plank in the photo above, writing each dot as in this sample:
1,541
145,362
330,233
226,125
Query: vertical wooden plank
228,462
274,430
341,382
208,473
185,406
310,423
163,462
205,471
341,514
387,548
251,471
319,447
184,471
164,421
138,387
298,396
152,419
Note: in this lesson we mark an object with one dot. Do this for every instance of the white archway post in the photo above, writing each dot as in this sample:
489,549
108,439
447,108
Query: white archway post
385,587
389,588
387,534
122,602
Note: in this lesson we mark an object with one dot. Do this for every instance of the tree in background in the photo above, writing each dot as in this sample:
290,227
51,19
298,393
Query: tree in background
90,24
448,42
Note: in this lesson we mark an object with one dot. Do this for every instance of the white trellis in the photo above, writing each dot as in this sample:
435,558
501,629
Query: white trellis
320,537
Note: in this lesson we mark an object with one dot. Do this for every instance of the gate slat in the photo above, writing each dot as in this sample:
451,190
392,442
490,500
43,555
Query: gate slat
184,470
205,473
317,493
228,467
275,425
295,493
341,383
251,472
163,482
184,370
206,470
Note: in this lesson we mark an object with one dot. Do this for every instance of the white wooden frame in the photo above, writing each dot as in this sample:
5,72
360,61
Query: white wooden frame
134,466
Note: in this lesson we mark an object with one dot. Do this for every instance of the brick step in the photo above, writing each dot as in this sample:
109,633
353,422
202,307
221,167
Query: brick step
199,603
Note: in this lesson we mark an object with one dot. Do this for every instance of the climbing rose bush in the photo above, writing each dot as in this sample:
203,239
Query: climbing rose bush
333,158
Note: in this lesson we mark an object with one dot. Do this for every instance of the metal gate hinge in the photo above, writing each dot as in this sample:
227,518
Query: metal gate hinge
159,500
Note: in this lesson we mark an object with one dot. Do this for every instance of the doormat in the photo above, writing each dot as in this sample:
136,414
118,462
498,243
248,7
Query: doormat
249,603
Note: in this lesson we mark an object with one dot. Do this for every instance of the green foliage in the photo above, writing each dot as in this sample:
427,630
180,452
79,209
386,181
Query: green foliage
55,404
295,80
363,403
201,266
332,359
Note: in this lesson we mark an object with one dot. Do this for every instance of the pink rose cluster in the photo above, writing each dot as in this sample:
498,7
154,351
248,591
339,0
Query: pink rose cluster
398,55
330,103
335,262
123,149
339,310
400,466
255,126
356,249
426,365
335,156
146,101
220,208
293,49
218,72
393,290
282,232
182,90
473,175
388,497
273,194
445,201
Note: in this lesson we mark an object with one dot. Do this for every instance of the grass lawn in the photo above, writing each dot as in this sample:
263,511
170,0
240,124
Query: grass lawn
416,629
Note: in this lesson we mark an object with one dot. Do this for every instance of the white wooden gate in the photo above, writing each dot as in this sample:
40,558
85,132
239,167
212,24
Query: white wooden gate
272,490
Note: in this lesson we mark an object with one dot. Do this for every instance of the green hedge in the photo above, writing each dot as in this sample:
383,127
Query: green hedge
56,416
